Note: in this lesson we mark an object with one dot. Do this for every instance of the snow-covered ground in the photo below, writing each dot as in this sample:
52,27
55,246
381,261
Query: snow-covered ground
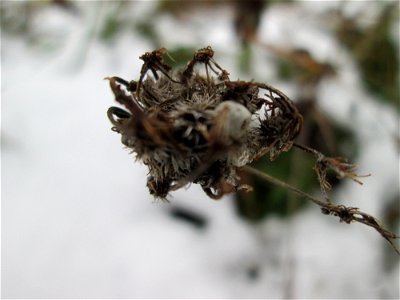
77,218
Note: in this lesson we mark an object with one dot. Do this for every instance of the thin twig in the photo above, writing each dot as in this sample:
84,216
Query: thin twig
307,149
345,214
284,185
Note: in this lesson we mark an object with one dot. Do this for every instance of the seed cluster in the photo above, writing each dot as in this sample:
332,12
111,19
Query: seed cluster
191,126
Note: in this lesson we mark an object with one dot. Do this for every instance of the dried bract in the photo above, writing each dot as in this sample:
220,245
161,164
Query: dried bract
339,166
192,126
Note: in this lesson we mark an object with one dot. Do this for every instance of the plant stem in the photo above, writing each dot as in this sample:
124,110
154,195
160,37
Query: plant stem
344,213
283,184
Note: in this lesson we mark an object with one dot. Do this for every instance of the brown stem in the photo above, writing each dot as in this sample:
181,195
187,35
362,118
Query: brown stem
345,214
284,185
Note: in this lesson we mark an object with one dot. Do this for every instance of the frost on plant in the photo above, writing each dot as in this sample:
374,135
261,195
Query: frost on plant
196,125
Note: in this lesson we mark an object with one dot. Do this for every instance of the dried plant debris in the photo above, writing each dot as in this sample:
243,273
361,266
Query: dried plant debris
192,127
196,125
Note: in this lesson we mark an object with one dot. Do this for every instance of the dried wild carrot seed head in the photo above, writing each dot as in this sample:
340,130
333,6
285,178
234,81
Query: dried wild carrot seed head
188,126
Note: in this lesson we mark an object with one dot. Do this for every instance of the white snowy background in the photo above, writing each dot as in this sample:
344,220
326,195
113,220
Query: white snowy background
77,218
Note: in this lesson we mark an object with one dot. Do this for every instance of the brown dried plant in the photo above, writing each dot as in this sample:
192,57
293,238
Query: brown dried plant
188,126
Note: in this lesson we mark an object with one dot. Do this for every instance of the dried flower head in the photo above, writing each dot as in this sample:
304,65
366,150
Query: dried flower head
190,126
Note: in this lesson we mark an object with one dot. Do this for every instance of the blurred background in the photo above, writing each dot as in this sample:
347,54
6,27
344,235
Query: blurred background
77,220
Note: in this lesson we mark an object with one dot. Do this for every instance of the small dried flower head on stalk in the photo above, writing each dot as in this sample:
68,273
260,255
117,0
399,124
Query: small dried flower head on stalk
192,127
201,127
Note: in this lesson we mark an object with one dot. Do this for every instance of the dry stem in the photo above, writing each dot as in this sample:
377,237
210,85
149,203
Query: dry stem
345,214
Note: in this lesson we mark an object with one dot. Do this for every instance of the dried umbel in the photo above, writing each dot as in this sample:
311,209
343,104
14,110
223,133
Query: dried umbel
188,126
195,125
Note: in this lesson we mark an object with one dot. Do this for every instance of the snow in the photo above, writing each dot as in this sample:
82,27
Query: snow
77,218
